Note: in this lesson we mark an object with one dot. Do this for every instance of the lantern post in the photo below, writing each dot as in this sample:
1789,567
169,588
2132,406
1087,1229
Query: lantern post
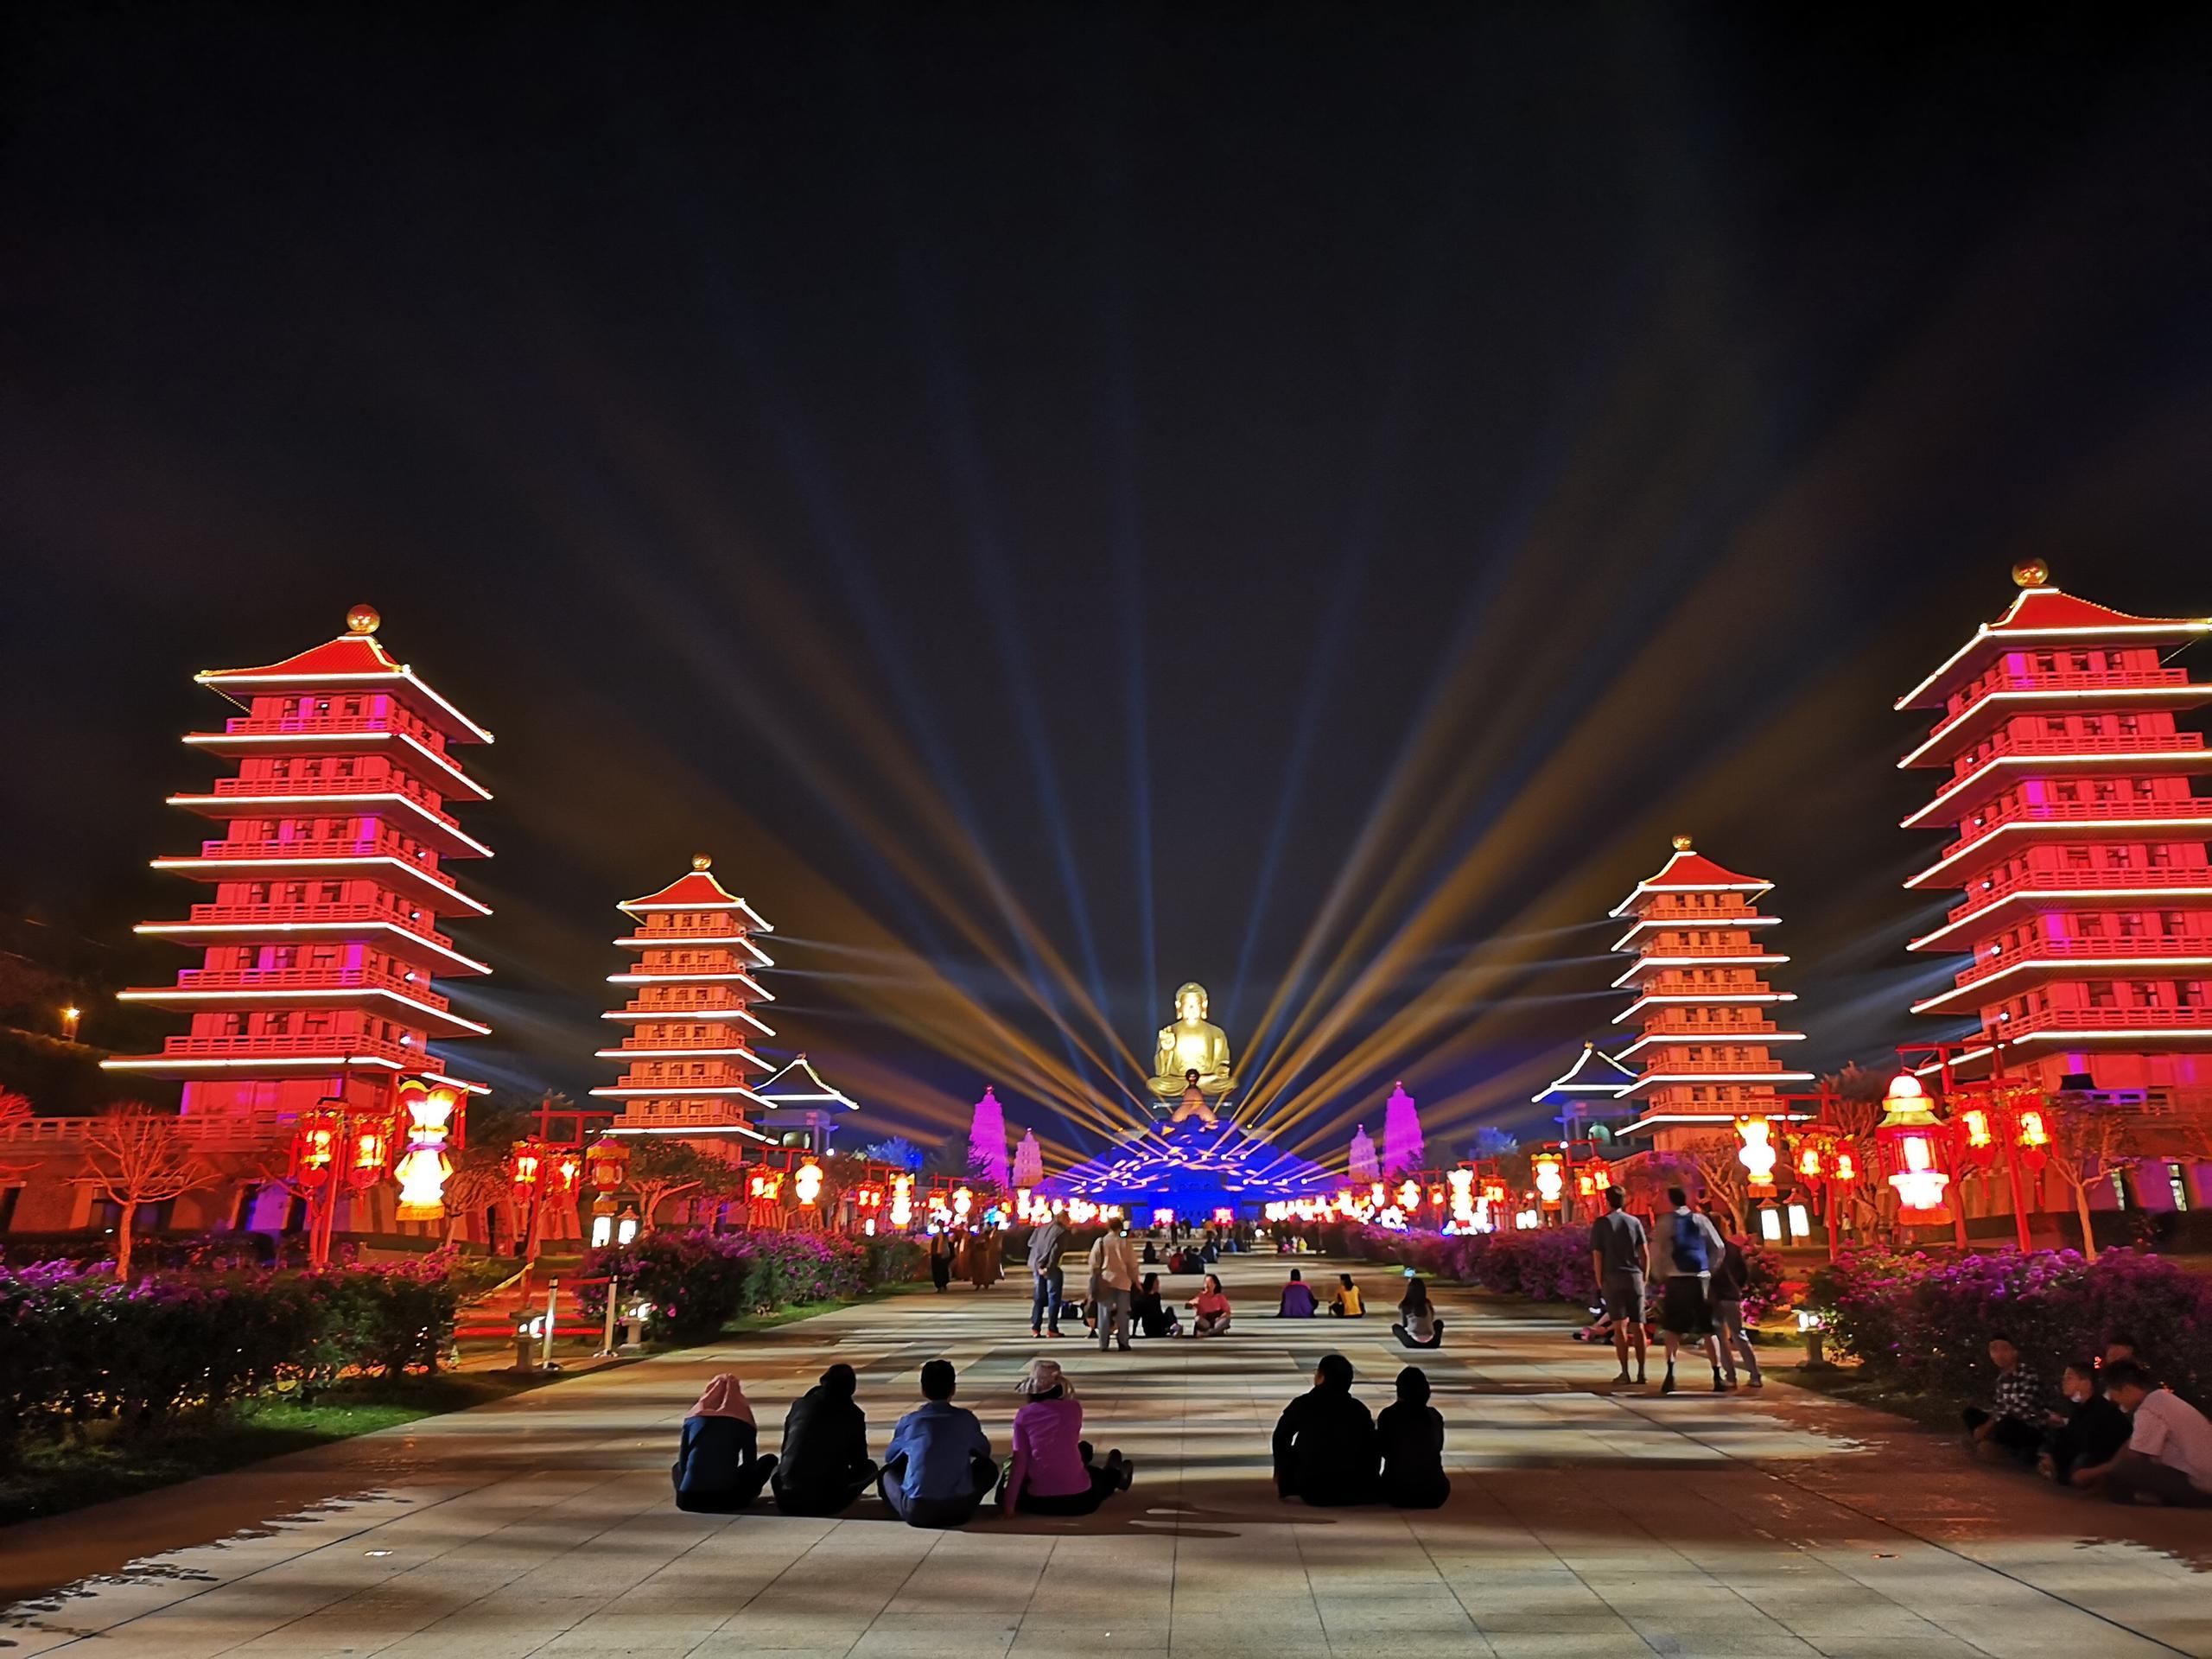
1909,1137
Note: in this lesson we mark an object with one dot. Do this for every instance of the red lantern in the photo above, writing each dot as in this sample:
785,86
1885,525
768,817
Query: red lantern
525,1168
372,1152
609,1159
1846,1169
565,1169
1909,1137
2035,1140
315,1147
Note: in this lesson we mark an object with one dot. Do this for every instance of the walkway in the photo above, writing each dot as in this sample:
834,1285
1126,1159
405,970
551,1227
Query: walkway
1583,1522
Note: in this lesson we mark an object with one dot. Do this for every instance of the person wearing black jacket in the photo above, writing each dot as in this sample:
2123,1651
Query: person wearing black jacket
825,1463
1325,1445
1411,1434
2089,1434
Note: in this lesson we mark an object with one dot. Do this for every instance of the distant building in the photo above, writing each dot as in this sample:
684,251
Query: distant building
799,1109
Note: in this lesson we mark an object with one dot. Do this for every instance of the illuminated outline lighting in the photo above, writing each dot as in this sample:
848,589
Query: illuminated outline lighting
1717,1034
760,923
1655,961
2085,963
281,806
462,964
1999,632
695,1131
218,865
2064,896
2165,760
220,677
1652,1079
2148,1034
210,739
1704,997
183,994
2087,829
2066,694
285,1062
1644,887
671,1092
761,957
1694,919
681,1054
747,980
1727,1116
691,1016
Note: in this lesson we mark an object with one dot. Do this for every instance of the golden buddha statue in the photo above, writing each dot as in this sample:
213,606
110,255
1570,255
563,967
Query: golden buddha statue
1190,1046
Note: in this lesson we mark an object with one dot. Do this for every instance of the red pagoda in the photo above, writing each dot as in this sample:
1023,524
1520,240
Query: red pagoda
2077,843
1703,998
322,942
690,1015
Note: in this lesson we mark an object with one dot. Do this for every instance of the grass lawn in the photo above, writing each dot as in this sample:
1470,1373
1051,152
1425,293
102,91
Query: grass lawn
51,1479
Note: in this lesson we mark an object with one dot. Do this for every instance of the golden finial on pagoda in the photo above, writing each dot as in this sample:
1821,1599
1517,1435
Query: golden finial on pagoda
701,862
1681,843
363,619
2031,573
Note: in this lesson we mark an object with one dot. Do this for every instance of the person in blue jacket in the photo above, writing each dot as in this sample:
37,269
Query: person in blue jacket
718,1468
939,1468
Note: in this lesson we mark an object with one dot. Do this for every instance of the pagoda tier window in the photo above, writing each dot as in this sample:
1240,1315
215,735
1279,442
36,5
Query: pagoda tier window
2100,993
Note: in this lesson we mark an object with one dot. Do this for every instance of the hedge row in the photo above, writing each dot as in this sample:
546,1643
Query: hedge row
696,1282
1923,1323
1546,1264
77,1348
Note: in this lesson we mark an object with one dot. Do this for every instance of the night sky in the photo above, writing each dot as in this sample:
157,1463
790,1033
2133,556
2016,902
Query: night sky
1060,501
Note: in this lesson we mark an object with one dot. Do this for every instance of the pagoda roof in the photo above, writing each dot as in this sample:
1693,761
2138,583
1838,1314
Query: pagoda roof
2042,615
696,889
1690,871
1592,1073
357,660
806,1087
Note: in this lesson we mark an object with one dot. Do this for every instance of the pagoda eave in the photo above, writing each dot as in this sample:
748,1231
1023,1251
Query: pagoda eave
1991,641
422,821
1665,923
662,942
1712,1034
2037,970
752,986
447,777
1706,999
242,685
1994,776
2194,1039
437,1022
688,1131
1645,964
401,941
675,1091
1680,1079
1985,715
440,895
689,1016
1718,1120
1983,918
2194,825
744,1056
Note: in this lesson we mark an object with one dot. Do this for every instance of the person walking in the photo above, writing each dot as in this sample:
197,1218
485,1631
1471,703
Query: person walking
1298,1301
940,1261
1620,1256
1410,1432
1114,1275
1048,1243
1324,1446
937,1469
823,1464
1688,1246
1209,1310
1732,1277
1417,1325
1053,1471
718,1469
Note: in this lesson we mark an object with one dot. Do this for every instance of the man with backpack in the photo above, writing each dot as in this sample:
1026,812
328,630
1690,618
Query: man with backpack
1687,1247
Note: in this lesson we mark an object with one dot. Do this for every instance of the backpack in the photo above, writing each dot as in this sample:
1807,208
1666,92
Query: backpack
1689,1243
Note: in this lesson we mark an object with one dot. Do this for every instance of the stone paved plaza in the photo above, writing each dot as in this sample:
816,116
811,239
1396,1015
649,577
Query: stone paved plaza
1583,1522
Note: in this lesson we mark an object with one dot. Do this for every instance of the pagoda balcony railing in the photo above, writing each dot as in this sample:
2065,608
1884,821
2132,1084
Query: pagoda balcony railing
2005,743
249,915
2059,680
2121,947
727,1038
2158,1019
385,845
2183,811
1704,1068
2059,882
722,1114
309,979
724,1003
207,1130
720,1076
1747,947
1678,1029
354,725
280,1045
384,784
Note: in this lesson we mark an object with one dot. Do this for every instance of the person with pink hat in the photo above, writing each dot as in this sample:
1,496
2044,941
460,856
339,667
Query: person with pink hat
717,1467
1052,1471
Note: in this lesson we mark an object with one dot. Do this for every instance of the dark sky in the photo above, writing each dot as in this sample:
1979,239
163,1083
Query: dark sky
1200,483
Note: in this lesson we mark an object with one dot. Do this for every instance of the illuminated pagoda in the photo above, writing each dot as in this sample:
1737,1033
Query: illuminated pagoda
1585,1098
1704,1001
2077,842
690,1015
320,941
800,1109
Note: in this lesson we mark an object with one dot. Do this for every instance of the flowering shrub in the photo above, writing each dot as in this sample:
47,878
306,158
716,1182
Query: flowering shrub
1923,1323
695,1282
76,1347
1546,1264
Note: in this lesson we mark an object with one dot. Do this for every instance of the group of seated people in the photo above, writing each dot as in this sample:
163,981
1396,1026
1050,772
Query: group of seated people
1416,1326
937,1471
2119,1432
1329,1451
1154,1316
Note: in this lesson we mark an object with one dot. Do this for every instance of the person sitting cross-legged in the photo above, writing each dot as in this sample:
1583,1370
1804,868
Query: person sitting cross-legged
1324,1446
718,1469
2014,1424
1210,1309
1417,1325
937,1469
1411,1433
1298,1301
2088,1434
1052,1471
2168,1457
824,1463
1346,1303
1150,1315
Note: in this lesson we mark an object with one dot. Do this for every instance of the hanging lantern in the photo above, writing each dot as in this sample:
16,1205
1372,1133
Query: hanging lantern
1585,1184
1757,1153
1908,1135
608,1162
1845,1171
807,1182
1463,1196
424,1166
2035,1140
1974,1130
1550,1180
563,1170
963,1202
1808,1161
315,1147
902,1201
1409,1196
525,1169
371,1151
1601,1177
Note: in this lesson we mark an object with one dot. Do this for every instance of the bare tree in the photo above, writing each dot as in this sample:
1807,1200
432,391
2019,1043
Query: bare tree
1723,1178
2096,1138
137,1156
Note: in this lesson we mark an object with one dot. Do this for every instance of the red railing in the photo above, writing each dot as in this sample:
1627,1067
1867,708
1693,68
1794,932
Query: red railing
2154,944
388,782
2181,812
2046,880
209,1129
332,847
2149,1020
2003,743
291,1043
307,979
360,725
2060,680
250,915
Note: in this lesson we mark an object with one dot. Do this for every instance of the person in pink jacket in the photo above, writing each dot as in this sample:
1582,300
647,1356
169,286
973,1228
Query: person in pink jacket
1052,1471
